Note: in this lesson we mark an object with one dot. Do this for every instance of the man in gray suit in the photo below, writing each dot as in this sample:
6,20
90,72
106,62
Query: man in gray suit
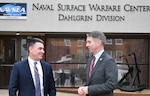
103,78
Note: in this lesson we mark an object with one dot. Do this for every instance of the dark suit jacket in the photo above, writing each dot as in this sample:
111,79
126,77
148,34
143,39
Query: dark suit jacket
21,80
104,76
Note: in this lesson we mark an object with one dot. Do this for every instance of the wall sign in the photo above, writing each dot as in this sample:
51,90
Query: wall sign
13,11
115,16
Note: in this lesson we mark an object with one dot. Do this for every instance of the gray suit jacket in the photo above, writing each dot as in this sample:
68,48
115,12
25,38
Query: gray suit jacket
104,76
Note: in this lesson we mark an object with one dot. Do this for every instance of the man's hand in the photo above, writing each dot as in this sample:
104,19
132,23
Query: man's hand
82,91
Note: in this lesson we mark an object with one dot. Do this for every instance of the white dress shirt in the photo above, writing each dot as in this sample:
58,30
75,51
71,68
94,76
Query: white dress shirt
97,56
40,72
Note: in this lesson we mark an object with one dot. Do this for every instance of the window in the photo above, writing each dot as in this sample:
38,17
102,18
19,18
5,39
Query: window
67,42
118,41
118,55
80,42
69,57
109,41
80,55
73,55
24,51
7,53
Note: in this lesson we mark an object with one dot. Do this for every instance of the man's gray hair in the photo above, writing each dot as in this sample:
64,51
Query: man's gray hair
97,35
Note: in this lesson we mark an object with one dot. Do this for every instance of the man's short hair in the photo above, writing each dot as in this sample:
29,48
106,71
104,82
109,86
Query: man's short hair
32,41
97,35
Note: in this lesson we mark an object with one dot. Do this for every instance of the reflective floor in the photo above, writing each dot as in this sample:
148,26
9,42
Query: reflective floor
4,92
145,92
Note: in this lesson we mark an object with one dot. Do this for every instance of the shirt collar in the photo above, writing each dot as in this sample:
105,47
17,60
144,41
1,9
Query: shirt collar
99,54
31,61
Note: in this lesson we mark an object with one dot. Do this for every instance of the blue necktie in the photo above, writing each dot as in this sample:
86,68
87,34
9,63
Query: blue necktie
37,81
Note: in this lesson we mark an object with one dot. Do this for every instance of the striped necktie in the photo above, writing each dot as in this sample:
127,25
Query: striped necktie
37,81
91,66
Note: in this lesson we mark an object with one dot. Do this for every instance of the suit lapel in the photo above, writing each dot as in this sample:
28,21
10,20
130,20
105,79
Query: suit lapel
98,63
26,66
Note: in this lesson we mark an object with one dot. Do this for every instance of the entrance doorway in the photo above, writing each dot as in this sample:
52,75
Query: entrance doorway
12,49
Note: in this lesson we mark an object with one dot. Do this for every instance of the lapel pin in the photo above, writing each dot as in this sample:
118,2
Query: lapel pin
101,59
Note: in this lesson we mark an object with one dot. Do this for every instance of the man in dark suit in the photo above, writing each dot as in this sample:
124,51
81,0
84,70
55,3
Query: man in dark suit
101,80
23,81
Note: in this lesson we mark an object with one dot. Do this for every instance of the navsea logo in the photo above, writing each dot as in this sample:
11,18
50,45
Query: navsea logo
13,10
